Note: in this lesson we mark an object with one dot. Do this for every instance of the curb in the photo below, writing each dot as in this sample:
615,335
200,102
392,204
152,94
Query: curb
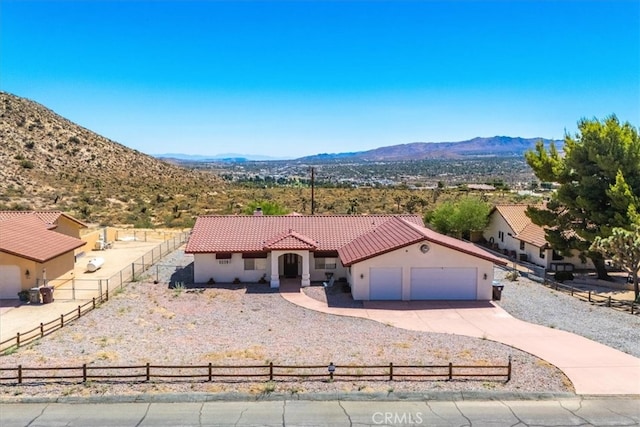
357,397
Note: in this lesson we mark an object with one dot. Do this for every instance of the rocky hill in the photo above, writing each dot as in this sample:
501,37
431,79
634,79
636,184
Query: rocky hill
49,162
499,146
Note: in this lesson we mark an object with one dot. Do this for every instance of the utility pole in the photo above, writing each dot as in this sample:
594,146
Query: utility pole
313,200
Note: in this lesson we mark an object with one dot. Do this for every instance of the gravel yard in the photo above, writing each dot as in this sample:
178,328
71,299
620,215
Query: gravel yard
253,324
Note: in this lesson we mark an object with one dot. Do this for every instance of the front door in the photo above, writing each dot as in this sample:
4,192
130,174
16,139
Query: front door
291,265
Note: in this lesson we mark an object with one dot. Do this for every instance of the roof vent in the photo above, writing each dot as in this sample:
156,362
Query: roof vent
258,211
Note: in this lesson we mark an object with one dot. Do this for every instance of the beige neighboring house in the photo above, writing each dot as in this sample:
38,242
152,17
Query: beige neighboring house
511,232
32,249
382,257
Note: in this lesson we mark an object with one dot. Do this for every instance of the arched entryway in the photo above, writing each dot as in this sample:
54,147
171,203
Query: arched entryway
291,265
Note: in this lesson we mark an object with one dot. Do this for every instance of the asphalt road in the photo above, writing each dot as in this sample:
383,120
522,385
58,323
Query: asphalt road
499,413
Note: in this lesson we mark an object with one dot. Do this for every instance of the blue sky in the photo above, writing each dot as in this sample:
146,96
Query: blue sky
292,78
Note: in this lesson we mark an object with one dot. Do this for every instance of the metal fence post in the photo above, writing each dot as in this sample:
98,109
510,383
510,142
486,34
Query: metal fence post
148,371
509,370
450,371
270,371
19,374
390,371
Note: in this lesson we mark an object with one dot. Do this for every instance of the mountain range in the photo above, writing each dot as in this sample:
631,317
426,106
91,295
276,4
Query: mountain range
496,146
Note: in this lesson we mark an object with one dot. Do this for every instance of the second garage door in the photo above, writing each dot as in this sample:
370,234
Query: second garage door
443,284
9,281
385,284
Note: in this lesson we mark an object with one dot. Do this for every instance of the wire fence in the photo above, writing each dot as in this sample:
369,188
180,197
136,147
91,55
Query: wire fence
267,372
103,287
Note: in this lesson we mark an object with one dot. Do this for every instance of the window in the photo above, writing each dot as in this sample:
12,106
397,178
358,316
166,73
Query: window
224,261
255,264
325,263
542,251
501,236
522,245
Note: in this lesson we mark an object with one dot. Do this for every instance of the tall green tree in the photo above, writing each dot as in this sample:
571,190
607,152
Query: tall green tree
460,218
599,177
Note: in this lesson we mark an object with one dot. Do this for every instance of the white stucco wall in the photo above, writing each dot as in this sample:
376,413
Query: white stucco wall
206,266
496,224
533,255
320,274
411,256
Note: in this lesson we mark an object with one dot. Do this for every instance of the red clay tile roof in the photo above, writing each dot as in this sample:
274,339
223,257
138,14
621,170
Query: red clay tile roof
28,237
48,217
521,224
248,233
399,233
533,234
387,237
515,216
356,238
290,241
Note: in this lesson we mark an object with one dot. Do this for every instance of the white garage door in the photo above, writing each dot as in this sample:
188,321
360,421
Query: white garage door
9,281
385,284
443,284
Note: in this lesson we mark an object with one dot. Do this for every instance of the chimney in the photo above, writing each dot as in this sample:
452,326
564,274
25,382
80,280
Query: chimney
258,211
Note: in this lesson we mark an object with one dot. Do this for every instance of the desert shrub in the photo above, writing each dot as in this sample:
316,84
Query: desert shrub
26,164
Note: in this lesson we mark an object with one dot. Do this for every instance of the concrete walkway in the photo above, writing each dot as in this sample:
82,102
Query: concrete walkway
593,368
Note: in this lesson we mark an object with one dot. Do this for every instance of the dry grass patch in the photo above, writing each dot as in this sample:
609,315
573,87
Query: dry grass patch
107,355
402,344
255,352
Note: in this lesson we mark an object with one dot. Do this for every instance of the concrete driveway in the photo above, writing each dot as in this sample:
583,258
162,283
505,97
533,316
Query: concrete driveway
593,368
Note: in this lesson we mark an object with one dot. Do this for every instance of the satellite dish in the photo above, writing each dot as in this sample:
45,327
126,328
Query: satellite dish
424,248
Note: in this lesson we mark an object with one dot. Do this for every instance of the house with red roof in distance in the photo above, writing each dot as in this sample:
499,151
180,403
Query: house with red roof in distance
35,246
382,257
512,232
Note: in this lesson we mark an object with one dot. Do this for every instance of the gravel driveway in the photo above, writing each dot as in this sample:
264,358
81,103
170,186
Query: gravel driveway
253,324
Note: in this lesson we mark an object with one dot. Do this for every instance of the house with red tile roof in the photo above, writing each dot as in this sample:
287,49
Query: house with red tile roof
382,257
62,222
31,250
512,232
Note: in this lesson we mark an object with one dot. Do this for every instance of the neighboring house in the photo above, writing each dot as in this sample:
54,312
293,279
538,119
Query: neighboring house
382,257
30,252
62,223
511,232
